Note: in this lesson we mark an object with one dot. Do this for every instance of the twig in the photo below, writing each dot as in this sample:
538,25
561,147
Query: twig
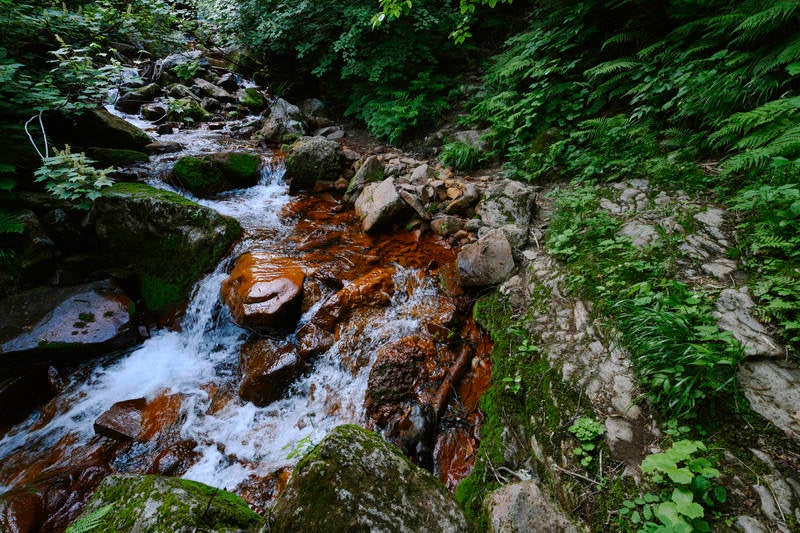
575,474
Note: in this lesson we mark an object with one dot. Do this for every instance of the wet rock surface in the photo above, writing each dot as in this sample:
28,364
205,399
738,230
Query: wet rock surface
123,420
49,324
267,370
355,480
311,159
264,291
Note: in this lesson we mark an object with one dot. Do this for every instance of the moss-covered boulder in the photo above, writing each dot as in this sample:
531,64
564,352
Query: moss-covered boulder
356,481
167,240
209,175
252,99
311,159
117,157
240,168
154,504
198,175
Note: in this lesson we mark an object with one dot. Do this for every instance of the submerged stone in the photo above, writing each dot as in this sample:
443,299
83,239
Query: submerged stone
154,504
356,481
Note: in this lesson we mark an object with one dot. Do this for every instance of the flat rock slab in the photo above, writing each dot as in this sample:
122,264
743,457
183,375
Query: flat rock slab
733,314
123,421
773,390
91,317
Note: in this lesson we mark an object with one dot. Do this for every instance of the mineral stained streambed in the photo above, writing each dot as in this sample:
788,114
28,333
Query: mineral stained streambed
195,425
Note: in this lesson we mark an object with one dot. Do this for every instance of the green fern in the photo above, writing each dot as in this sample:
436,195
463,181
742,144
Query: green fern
90,522
769,19
611,67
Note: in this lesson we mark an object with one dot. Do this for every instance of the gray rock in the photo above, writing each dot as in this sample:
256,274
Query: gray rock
640,234
130,102
521,506
748,524
371,170
283,110
773,390
486,262
154,112
507,202
155,503
720,268
472,138
517,236
473,225
411,199
733,314
312,106
379,205
173,60
421,174
355,481
312,158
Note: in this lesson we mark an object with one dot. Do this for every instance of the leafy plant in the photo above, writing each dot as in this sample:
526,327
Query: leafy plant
685,491
187,70
90,522
587,431
461,156
513,384
72,177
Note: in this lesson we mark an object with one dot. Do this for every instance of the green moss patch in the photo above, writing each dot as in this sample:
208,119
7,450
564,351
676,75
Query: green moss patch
199,176
148,504
253,99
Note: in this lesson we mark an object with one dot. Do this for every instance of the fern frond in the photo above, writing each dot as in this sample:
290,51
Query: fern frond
611,67
91,521
768,19
741,123
10,223
623,38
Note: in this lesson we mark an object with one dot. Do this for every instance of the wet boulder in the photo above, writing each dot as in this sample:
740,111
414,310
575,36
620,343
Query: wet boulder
122,421
264,291
379,205
130,102
64,323
373,289
267,371
354,480
212,91
155,112
96,127
33,248
284,123
209,175
116,157
486,262
311,159
165,239
393,400
155,503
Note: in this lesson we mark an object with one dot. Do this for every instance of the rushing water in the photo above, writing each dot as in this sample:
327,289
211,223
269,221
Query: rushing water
190,373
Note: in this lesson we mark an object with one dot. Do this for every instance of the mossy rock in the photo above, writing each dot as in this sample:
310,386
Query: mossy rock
168,240
253,99
210,175
96,127
310,159
186,110
238,167
356,481
150,504
199,176
117,157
